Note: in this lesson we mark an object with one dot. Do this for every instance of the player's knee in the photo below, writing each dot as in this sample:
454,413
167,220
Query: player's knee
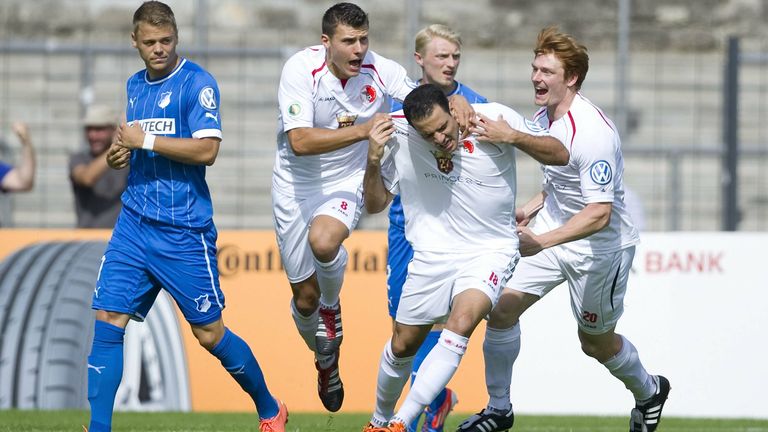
210,335
207,340
462,324
501,317
590,348
307,303
599,347
325,250
325,246
404,347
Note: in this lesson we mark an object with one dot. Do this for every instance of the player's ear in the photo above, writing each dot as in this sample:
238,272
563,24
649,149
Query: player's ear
571,80
325,40
133,40
418,58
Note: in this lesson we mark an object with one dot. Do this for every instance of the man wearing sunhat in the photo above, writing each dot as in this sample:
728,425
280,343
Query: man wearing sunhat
96,187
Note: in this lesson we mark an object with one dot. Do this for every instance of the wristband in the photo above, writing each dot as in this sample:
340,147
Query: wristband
149,142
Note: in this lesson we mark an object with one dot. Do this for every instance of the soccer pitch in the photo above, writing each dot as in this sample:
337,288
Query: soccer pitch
22,421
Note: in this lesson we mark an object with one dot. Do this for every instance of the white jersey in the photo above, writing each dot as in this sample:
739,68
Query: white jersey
311,96
594,174
460,201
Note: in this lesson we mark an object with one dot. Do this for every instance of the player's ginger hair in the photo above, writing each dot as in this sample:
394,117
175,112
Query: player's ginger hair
425,36
570,52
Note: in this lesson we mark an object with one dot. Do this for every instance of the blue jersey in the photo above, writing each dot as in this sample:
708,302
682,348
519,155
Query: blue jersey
183,104
396,216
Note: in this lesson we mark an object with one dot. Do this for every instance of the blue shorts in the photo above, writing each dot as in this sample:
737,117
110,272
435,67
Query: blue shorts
144,256
399,256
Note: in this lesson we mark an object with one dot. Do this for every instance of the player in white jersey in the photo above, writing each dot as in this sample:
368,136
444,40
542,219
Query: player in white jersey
438,53
582,235
328,96
458,198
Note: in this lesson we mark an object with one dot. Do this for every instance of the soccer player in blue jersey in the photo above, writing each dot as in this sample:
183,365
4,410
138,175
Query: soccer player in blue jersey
438,52
165,236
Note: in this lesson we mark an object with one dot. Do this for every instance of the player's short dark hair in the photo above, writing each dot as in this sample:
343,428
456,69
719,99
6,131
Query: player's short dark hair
420,103
155,13
348,14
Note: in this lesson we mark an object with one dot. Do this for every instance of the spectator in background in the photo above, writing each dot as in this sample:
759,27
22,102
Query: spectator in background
19,177
96,187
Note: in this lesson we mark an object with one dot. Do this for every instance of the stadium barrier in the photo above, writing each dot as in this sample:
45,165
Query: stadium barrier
694,308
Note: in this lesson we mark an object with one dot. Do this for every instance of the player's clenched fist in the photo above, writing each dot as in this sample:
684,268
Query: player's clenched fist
118,157
381,130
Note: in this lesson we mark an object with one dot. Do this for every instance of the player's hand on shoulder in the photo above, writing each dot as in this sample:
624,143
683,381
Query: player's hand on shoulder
380,132
529,242
463,112
490,130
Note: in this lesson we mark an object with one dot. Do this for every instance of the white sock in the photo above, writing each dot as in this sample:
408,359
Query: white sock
500,351
307,326
330,276
393,374
626,366
438,368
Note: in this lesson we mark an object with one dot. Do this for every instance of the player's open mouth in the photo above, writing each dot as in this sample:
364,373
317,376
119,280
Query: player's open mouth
355,64
541,91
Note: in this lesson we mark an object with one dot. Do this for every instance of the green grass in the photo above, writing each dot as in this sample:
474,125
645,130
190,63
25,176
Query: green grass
23,421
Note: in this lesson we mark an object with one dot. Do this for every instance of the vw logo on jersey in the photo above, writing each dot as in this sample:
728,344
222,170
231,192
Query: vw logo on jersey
369,94
600,172
207,98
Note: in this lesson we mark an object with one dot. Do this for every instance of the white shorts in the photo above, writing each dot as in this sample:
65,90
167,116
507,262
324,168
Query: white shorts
597,283
435,278
292,217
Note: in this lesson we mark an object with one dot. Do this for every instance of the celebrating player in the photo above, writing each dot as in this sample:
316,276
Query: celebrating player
582,235
438,53
329,97
458,198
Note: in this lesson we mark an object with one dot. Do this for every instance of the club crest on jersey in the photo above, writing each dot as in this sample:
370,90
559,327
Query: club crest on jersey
202,304
346,119
600,172
468,146
443,158
165,99
207,98
368,93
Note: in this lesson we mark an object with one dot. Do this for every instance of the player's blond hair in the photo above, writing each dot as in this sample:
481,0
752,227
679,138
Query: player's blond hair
570,52
155,13
425,36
